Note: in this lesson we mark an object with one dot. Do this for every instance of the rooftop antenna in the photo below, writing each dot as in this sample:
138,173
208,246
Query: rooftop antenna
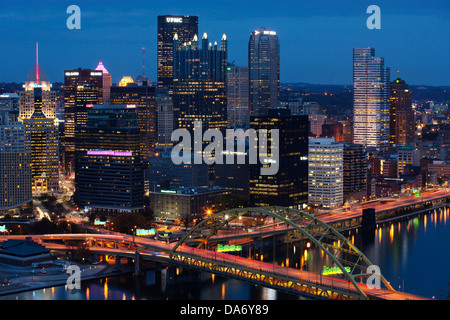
143,61
37,62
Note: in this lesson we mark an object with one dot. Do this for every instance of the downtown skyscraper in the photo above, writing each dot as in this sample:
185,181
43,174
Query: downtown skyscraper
107,82
402,124
143,97
289,186
264,71
109,173
370,99
42,140
15,166
82,88
37,78
185,27
237,97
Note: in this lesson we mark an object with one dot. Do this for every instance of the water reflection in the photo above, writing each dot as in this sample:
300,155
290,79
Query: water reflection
413,255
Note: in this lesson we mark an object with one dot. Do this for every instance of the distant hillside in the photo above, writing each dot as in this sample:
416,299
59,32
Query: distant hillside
421,93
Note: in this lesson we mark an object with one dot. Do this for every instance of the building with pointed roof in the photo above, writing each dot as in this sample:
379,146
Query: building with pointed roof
37,78
107,82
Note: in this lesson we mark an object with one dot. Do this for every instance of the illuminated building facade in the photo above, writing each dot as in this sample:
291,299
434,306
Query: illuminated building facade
164,174
185,27
333,130
325,173
15,166
42,139
144,98
37,78
82,87
264,71
107,81
402,124
10,102
237,97
408,155
110,172
199,83
184,204
370,99
355,171
125,81
289,186
165,119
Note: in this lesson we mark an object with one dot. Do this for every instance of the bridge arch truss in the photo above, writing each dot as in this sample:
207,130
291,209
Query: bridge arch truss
297,224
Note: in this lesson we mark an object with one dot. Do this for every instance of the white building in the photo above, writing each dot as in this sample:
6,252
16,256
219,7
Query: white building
325,173
15,165
371,94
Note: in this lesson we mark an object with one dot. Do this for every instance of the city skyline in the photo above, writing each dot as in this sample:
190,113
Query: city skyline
316,40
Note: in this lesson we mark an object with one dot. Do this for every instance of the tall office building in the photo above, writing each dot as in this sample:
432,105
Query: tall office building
237,97
402,124
107,82
144,98
110,127
37,78
82,87
289,186
164,174
407,155
325,171
42,139
264,71
370,99
199,83
185,27
110,172
10,102
15,166
355,171
165,119
234,176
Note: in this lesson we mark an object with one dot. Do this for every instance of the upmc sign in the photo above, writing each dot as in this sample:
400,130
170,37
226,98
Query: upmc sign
174,19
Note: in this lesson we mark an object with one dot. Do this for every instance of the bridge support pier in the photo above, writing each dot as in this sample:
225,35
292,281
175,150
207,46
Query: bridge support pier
137,263
368,225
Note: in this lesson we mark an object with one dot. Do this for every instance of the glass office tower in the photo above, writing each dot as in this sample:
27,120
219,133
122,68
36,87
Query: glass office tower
144,98
82,87
42,140
199,83
402,124
185,27
264,71
289,186
370,99
110,172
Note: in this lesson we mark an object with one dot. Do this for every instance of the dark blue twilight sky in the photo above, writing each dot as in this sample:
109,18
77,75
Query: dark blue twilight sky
316,37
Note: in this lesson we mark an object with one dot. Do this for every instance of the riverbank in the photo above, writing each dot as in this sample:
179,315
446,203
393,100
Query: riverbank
21,279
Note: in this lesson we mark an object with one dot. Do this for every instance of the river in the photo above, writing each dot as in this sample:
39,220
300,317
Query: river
413,255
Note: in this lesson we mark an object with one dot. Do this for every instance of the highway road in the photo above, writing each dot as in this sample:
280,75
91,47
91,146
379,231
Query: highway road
155,248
